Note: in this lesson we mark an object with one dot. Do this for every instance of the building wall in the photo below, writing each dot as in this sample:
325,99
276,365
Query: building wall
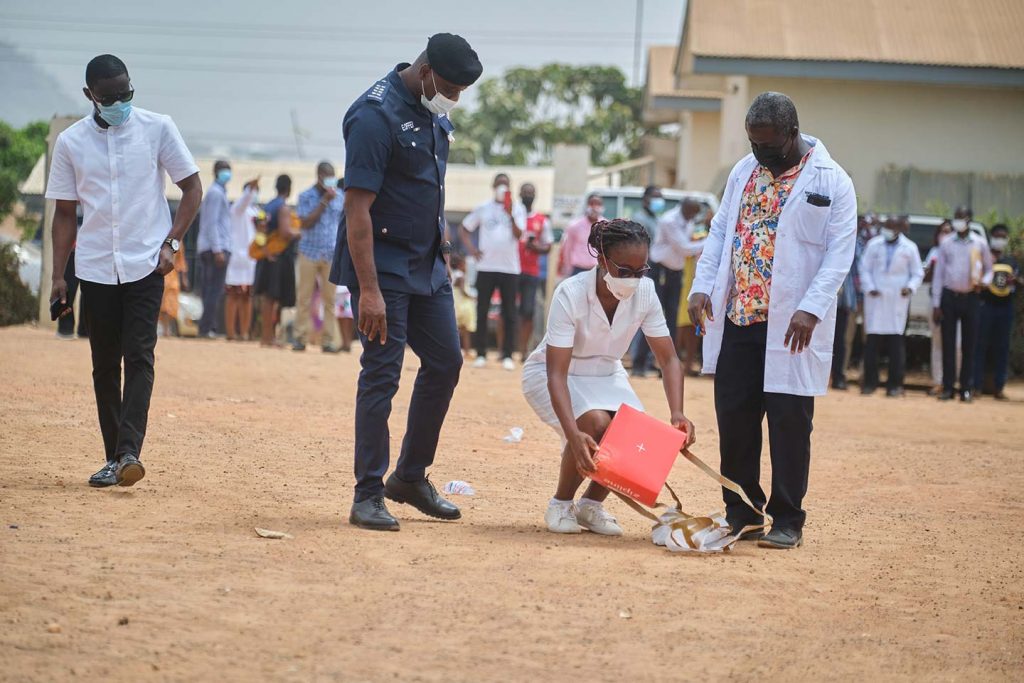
868,126
704,161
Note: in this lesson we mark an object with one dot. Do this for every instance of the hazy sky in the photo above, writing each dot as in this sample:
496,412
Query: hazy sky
230,73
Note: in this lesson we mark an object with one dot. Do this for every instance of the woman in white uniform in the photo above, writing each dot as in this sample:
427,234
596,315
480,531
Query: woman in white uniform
241,270
575,381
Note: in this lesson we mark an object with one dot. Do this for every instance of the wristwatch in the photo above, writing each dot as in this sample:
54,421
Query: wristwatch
174,244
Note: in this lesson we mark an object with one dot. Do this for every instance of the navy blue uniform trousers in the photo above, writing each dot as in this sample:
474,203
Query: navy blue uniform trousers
426,324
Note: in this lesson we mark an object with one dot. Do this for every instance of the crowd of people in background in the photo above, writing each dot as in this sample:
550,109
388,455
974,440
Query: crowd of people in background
500,260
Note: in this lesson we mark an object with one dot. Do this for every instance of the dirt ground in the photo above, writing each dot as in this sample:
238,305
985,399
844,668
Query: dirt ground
911,569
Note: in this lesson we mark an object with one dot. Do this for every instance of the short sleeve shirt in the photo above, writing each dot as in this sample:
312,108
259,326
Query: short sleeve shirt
317,242
398,150
498,242
117,175
538,225
577,320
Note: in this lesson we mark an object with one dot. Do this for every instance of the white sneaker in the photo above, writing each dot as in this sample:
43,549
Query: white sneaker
508,364
593,517
561,518
480,362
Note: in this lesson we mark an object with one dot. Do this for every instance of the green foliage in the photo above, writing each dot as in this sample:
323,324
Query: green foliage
19,151
17,303
522,115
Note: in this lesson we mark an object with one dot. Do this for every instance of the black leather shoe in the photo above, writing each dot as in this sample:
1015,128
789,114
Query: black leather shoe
946,395
840,385
1001,396
298,346
867,391
753,535
782,539
329,349
105,477
421,495
372,514
966,397
894,393
129,470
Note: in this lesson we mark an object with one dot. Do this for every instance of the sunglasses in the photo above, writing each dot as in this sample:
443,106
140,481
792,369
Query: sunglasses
108,100
622,271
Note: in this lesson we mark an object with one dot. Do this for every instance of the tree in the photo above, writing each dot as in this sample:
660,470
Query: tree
19,151
522,115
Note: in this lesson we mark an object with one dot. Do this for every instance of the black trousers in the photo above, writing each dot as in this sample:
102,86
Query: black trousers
839,347
122,327
507,285
668,284
962,309
426,324
741,404
896,348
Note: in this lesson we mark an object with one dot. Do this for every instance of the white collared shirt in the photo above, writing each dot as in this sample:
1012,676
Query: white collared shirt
673,240
117,175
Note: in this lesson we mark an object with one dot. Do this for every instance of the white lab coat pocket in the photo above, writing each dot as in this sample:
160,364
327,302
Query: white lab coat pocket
810,223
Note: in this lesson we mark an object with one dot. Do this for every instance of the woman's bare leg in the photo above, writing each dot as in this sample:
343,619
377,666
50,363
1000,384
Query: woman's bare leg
594,423
245,315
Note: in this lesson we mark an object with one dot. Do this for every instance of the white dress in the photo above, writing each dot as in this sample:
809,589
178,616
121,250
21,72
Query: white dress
597,380
241,270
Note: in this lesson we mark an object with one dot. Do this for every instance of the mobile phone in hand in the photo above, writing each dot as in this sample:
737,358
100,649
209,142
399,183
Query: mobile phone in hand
59,310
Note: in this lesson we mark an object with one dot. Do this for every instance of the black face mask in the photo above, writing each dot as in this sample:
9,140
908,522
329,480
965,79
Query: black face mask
527,202
772,157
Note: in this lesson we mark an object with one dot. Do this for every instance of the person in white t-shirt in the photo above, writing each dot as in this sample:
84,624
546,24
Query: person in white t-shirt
500,223
575,380
241,270
113,163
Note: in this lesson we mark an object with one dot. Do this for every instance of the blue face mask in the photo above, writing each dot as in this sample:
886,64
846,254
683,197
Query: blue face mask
330,181
657,205
223,176
116,114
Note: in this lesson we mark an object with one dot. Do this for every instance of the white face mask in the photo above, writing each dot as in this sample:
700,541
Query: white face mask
889,234
960,224
438,104
499,193
621,288
999,243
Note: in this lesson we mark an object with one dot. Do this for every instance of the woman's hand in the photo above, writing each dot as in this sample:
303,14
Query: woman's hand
682,423
583,448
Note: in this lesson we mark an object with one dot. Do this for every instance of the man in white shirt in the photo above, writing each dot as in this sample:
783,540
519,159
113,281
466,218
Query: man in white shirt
963,268
214,248
112,163
890,272
500,223
673,243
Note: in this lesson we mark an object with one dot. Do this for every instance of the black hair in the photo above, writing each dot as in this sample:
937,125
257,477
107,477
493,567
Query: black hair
283,184
649,190
324,166
1001,227
221,163
103,66
775,110
605,235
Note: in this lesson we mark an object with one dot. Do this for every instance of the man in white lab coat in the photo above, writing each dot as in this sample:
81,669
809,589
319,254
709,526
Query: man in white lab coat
890,272
764,293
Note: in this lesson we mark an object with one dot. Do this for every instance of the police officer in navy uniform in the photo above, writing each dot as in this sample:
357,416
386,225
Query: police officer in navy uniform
392,255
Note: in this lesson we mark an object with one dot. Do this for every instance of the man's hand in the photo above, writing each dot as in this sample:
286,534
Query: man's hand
906,291
476,253
329,194
166,263
937,315
253,184
583,447
801,327
373,319
59,290
700,307
874,292
680,422
220,259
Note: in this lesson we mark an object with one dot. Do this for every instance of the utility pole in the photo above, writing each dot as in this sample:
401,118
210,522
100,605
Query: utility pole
297,132
638,32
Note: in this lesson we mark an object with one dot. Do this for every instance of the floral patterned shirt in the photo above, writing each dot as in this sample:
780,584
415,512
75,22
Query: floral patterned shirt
753,246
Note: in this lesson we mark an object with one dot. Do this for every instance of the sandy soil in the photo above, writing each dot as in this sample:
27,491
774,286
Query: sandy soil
911,568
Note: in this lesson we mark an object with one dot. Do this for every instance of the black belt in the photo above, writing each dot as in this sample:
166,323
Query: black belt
958,295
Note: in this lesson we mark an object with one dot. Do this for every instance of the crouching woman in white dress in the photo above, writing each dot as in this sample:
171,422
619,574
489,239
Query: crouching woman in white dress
575,381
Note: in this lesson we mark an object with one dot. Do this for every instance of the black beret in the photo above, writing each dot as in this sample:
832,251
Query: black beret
453,59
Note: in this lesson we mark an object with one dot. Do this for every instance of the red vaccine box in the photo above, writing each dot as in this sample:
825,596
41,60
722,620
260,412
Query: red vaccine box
636,455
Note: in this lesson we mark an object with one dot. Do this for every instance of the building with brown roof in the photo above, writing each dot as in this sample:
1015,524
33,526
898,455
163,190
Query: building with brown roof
931,85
